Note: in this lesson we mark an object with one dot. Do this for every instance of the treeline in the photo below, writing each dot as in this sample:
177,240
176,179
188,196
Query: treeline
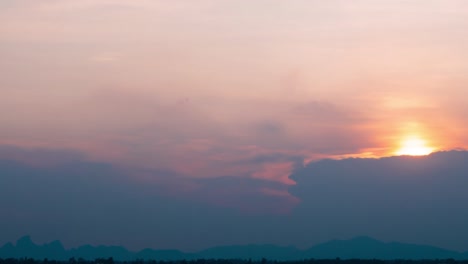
231,261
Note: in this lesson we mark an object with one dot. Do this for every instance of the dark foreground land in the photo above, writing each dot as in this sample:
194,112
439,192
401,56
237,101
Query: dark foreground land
233,261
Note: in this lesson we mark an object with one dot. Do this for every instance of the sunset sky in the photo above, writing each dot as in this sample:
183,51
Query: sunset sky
174,94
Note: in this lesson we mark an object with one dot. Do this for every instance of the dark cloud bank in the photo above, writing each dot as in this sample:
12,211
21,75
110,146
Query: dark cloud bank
409,199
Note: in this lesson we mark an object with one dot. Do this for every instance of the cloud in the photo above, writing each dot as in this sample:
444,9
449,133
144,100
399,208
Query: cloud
267,128
407,199
106,57
39,156
276,171
251,195
416,199
80,201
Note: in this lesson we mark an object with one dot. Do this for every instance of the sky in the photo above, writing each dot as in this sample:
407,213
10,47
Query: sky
215,105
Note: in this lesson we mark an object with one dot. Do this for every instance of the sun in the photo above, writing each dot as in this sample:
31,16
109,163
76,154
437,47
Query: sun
414,146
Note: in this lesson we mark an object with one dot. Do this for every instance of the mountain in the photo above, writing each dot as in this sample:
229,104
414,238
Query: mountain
356,248
26,248
369,248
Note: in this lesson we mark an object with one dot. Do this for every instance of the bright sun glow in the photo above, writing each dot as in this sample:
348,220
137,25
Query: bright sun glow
414,146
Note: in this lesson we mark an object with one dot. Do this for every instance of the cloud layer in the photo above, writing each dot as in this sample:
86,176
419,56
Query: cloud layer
155,84
408,199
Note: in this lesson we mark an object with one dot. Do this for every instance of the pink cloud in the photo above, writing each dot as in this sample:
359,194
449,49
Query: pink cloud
276,172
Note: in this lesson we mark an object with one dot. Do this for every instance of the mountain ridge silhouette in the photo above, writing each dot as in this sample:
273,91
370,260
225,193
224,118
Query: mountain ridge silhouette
362,247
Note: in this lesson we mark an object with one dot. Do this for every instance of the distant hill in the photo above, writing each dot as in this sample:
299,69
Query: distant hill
368,248
357,248
26,248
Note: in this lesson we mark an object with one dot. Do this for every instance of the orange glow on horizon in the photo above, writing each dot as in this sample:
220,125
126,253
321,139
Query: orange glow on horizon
414,146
